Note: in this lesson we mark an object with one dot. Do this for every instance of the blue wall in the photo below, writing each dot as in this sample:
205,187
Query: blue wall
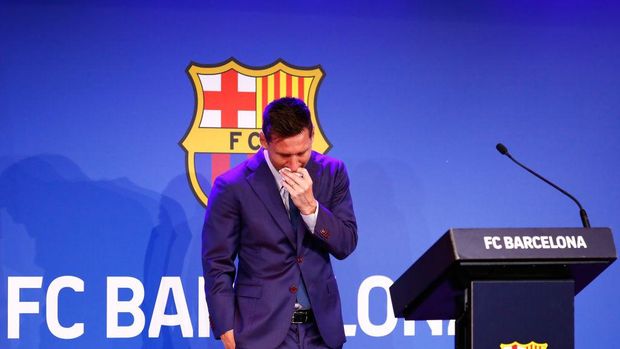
94,99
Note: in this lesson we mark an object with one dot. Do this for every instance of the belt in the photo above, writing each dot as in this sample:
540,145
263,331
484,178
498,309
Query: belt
302,316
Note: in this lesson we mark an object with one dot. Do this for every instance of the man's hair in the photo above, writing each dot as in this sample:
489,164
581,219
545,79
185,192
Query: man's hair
286,117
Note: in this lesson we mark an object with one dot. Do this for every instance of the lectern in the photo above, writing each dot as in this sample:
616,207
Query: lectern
506,287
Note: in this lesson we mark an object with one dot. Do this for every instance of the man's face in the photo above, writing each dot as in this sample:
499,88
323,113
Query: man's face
292,152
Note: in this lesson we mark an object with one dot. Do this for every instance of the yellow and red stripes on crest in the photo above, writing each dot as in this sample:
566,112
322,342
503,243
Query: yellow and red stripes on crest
268,88
278,85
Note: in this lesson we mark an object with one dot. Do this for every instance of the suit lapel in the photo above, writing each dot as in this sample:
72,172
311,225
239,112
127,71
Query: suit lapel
262,182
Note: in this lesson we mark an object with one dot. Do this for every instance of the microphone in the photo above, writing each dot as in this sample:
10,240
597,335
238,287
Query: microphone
582,212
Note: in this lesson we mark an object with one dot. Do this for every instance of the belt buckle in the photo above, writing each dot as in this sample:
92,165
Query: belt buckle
299,317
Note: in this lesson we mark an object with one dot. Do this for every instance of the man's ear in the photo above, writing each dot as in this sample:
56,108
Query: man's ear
263,140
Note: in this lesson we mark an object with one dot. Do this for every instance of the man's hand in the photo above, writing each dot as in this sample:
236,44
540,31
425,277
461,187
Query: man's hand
299,186
228,339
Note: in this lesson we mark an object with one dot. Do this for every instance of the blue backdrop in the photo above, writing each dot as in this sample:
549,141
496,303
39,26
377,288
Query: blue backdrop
94,99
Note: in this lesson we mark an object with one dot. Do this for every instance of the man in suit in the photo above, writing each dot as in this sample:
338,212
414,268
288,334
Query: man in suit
281,213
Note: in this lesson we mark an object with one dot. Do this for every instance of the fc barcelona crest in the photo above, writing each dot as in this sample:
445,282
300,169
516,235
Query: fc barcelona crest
530,345
229,101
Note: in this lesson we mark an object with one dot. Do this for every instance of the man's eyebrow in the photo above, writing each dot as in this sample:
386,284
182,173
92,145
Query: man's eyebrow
289,154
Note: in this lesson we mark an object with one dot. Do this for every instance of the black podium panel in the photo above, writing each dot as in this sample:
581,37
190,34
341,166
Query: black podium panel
518,309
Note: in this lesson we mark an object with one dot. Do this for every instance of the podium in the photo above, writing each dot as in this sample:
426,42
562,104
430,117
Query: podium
506,287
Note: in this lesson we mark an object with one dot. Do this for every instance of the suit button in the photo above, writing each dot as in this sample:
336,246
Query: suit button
293,289
299,259
324,234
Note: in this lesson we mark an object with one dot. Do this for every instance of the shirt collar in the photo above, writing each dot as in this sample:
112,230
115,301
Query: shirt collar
276,175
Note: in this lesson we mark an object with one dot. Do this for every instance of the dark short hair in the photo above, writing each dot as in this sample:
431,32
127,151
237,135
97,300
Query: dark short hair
286,117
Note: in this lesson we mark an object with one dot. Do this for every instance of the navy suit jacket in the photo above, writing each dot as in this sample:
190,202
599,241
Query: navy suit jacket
246,219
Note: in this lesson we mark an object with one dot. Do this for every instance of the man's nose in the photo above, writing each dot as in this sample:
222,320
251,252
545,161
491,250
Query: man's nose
294,164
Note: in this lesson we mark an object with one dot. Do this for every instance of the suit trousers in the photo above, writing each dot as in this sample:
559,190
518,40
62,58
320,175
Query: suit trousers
304,336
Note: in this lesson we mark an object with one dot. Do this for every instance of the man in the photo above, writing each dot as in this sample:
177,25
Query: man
282,213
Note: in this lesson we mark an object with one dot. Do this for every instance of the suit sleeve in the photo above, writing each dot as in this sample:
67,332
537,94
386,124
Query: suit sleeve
220,240
335,224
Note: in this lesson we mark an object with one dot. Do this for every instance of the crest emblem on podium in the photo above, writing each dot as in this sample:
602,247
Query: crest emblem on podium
530,345
229,101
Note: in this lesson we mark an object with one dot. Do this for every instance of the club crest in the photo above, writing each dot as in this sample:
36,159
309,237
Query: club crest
530,345
229,101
